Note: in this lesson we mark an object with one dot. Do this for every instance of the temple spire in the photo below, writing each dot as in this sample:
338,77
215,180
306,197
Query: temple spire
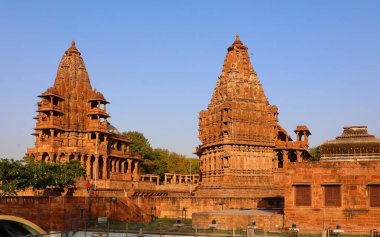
237,58
237,40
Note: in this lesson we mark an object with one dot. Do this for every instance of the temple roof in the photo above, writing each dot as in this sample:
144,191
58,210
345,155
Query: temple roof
97,96
353,134
112,129
354,142
51,91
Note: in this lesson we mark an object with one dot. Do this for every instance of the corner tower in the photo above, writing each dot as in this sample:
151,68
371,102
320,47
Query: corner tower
239,131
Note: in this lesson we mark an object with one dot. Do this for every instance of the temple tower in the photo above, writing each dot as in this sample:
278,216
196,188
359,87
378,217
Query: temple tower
240,133
72,125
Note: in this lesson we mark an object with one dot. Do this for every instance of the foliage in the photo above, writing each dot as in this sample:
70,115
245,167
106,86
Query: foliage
18,175
160,161
140,144
315,153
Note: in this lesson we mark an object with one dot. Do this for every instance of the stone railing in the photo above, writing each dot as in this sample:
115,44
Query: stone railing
113,152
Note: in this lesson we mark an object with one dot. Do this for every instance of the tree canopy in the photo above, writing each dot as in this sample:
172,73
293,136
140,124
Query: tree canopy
159,160
315,153
30,173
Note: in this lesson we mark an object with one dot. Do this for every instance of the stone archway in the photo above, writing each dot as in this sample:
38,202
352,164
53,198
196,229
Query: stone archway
10,225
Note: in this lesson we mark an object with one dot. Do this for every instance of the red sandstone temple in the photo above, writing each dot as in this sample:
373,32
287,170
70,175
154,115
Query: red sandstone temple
72,125
247,160
243,145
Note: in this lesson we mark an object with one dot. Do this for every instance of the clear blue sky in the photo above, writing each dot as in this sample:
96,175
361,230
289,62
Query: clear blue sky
157,62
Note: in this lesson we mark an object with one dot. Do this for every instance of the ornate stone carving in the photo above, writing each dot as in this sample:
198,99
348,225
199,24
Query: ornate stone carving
72,122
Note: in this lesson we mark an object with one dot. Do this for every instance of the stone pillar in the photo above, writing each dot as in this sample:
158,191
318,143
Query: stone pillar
112,165
88,166
275,161
299,158
117,165
306,138
285,157
105,167
122,166
135,171
52,137
129,171
298,136
165,179
95,171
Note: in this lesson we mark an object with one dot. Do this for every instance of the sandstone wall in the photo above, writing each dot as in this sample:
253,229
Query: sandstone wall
61,213
354,213
173,207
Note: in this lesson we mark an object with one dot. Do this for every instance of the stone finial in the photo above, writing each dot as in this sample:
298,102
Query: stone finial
73,49
237,40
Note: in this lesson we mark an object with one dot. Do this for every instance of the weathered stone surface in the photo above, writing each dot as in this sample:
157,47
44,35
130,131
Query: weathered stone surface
72,125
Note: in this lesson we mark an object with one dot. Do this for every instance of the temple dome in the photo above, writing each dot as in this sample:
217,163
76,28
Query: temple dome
112,129
354,143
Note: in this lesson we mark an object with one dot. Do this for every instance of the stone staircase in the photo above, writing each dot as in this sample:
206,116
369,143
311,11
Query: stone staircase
126,210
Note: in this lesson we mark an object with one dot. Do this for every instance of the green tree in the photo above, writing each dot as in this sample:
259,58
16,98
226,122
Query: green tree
315,153
159,160
140,144
18,175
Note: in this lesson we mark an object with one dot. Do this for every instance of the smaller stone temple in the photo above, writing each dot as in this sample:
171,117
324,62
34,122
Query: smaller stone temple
354,144
343,188
72,124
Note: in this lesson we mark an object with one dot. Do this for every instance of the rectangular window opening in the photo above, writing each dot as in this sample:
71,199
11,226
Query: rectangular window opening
333,197
302,195
374,195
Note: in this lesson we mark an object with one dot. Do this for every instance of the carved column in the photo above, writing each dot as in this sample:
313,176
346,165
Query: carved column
122,166
135,171
129,171
275,162
306,138
285,157
96,167
113,163
105,167
88,166
299,158
117,165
